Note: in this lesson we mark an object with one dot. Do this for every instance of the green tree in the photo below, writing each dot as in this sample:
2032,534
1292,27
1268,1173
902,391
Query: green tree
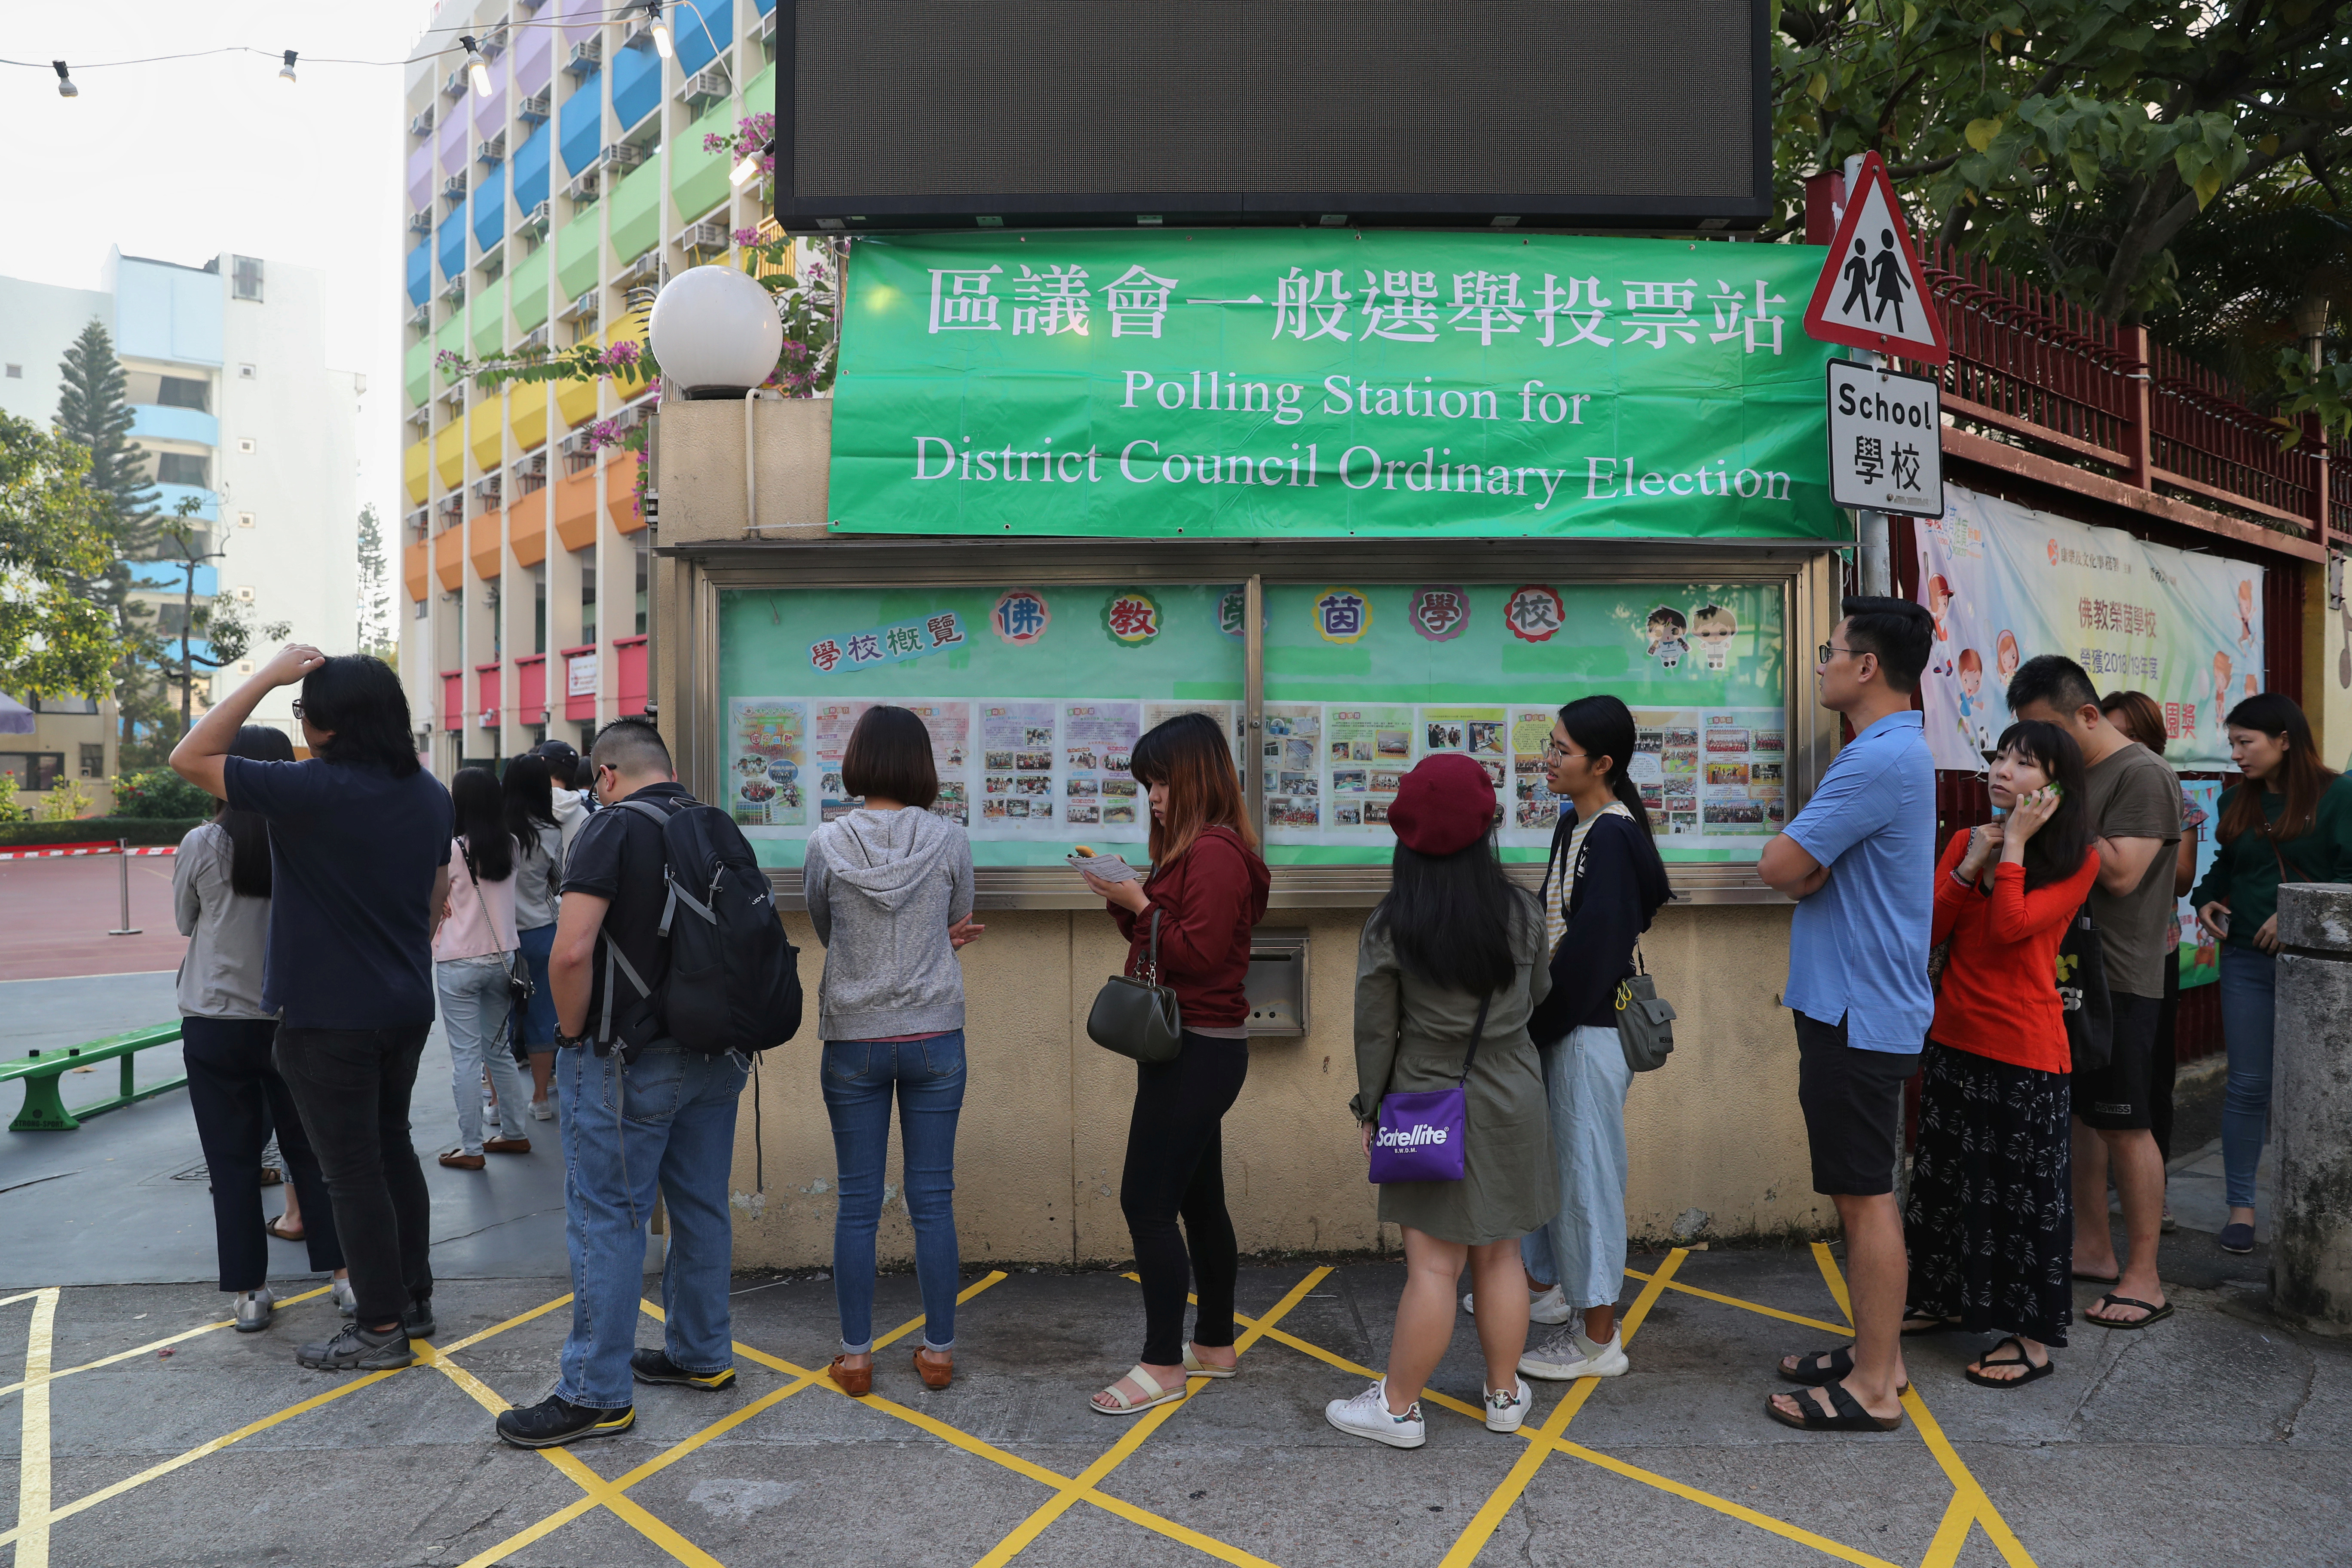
2173,160
374,630
53,640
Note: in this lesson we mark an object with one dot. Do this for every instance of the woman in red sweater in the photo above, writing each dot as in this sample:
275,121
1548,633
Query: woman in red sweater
1988,1223
1208,888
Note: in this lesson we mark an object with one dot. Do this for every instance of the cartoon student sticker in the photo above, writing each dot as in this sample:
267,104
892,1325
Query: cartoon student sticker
2245,612
1973,704
1939,605
2221,692
2004,658
1665,629
1715,626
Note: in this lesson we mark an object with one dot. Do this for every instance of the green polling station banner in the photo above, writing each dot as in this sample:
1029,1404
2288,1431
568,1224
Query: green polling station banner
1311,383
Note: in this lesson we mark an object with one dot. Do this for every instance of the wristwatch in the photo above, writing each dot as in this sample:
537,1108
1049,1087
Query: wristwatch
562,1040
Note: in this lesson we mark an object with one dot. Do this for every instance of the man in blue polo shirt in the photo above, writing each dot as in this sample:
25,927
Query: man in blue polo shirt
1860,860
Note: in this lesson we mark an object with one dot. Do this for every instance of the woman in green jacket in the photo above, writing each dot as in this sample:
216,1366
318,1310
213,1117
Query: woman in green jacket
2290,821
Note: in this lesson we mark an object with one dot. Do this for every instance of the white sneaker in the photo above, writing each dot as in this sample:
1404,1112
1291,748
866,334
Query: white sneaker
1367,1415
1565,1357
1547,1308
347,1300
541,1111
254,1308
1506,1407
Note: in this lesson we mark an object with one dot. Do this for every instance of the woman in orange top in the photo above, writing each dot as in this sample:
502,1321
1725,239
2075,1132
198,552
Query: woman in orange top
1988,1222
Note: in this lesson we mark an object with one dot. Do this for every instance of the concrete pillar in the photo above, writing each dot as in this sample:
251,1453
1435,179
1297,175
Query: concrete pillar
2311,1106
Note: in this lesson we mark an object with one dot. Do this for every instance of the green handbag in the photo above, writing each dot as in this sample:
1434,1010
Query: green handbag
1138,1018
1645,1020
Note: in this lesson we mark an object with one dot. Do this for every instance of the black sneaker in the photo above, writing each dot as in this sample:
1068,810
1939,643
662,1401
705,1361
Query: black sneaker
359,1349
417,1321
555,1421
655,1367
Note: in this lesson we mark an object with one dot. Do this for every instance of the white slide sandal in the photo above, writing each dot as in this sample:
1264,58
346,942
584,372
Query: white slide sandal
1195,1367
1126,1406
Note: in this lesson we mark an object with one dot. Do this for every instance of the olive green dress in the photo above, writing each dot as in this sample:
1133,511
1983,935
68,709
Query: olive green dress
1411,1036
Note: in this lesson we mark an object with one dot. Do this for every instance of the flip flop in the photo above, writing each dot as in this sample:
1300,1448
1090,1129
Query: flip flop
1912,1331
2155,1314
2033,1373
1838,1365
2098,1278
277,1227
1850,1416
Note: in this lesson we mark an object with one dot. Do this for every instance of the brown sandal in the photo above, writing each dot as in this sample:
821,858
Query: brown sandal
277,1227
856,1382
938,1372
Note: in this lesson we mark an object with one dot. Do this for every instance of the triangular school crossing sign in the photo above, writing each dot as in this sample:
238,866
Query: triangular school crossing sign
1872,294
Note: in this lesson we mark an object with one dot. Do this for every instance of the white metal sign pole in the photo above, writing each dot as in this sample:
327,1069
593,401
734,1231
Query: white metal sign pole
1871,564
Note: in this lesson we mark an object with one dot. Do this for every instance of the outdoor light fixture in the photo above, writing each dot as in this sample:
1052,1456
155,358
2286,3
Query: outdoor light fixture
749,164
661,28
285,72
478,70
716,333
66,89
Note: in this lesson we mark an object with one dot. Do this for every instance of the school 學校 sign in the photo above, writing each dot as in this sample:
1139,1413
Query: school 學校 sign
1256,383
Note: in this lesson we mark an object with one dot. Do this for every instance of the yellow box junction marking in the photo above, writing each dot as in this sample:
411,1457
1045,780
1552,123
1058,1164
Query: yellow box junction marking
1969,1505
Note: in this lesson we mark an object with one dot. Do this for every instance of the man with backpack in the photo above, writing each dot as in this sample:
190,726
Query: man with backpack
669,968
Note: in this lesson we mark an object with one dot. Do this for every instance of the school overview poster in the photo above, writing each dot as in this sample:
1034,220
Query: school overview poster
1160,383
2006,582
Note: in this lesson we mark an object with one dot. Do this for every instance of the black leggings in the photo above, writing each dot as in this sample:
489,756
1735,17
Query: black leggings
1175,1165
238,1099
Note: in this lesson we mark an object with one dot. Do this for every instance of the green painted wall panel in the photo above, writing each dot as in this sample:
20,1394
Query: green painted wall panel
636,213
530,293
697,180
452,337
416,366
488,309
576,255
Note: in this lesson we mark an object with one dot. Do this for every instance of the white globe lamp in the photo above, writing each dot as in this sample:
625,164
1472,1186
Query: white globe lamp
716,333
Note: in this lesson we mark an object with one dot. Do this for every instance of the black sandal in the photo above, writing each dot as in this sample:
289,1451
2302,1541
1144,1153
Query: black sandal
2155,1314
1835,1367
1849,1415
1917,1323
2021,1359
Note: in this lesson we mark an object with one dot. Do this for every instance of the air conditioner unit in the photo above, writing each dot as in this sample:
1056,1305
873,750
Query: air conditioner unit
538,218
421,417
421,318
421,221
646,269
709,234
454,290
489,488
620,155
584,188
530,473
453,505
637,35
707,86
493,263
454,188
492,151
494,42
584,309
534,339
422,125
454,84
585,58
767,27
455,397
244,595
418,522
534,110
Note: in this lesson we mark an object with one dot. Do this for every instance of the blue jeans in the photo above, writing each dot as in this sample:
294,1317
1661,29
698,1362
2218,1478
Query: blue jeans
2249,1009
666,1120
539,1013
475,1008
1582,1248
858,1078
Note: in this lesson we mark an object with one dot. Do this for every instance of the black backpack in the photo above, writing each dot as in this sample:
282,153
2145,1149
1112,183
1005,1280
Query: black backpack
732,982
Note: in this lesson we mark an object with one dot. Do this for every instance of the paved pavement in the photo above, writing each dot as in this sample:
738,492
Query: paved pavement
55,914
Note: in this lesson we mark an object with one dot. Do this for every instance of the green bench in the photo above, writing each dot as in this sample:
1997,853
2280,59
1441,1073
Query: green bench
45,1109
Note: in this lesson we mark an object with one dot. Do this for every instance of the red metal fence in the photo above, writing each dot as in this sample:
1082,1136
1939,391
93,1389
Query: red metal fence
2045,372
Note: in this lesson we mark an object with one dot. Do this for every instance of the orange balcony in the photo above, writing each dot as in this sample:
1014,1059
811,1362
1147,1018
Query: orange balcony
575,508
527,530
415,561
449,557
486,537
621,492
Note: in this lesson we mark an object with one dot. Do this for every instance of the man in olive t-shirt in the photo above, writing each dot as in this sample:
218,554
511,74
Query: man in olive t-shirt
2133,802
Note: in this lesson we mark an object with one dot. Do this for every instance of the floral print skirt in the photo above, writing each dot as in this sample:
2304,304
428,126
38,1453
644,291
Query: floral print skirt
1989,1221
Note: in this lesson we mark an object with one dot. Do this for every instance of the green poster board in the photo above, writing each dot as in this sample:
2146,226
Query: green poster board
1362,680
1034,697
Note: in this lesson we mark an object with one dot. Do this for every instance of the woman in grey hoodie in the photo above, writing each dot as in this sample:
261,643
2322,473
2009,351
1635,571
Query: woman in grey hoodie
889,892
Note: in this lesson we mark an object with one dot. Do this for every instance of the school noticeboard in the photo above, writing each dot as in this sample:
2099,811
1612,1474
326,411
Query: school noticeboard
1035,697
2006,582
1298,382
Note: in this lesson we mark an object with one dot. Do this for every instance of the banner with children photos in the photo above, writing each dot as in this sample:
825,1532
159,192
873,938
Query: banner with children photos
1034,697
2006,582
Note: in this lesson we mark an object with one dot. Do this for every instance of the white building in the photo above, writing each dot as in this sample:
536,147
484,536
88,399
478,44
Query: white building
236,408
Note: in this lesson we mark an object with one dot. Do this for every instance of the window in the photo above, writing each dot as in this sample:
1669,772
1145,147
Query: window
245,519
179,468
16,373
645,559
245,444
247,373
247,284
65,705
33,770
93,760
420,610
539,610
587,596
182,392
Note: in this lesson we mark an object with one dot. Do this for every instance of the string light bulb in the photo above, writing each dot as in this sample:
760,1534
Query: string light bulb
286,71
660,28
749,164
478,70
65,88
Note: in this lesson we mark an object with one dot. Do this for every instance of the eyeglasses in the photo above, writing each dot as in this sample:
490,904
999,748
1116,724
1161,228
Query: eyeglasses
1554,750
297,710
1828,649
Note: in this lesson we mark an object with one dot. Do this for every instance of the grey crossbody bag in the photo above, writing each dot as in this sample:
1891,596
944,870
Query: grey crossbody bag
1138,1016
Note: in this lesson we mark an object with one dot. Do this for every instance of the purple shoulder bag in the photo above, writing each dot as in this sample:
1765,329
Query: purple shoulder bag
1419,1137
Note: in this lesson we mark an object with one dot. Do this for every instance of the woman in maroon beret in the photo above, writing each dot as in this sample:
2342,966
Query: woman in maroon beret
1453,951
1208,888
